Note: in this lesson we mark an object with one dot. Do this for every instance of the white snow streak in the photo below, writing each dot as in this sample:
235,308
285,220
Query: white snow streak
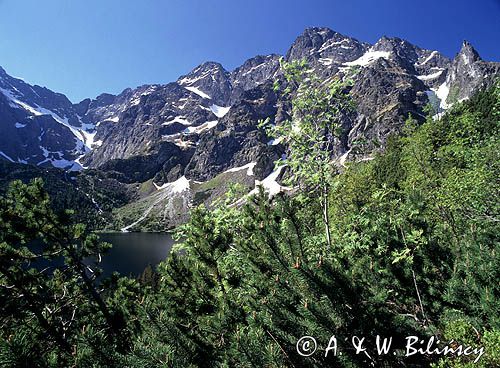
327,45
219,111
430,76
275,141
442,93
177,119
6,157
325,61
432,54
198,92
369,57
201,128
178,186
249,167
270,185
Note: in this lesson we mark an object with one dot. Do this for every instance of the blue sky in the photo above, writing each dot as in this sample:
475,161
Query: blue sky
86,47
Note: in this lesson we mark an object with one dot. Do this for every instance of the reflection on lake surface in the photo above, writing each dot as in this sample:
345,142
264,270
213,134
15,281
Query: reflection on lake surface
133,252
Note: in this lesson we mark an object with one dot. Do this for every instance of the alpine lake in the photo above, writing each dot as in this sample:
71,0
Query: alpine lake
133,252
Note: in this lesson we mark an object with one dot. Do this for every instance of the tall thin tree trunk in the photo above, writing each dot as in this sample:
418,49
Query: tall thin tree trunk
326,220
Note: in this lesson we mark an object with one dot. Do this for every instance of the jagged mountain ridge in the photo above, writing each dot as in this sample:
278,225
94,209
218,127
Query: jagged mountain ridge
415,75
205,123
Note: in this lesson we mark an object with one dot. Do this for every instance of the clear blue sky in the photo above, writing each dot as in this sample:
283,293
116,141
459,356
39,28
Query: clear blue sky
85,47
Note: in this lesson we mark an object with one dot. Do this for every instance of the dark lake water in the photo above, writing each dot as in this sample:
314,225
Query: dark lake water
130,255
133,252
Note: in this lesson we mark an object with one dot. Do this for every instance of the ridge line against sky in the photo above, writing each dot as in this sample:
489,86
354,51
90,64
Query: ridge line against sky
86,48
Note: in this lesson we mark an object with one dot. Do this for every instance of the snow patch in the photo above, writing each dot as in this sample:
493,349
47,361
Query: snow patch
430,76
275,141
190,81
326,61
78,165
16,103
327,45
179,142
219,111
39,111
178,186
114,119
249,167
442,93
252,69
201,128
270,185
137,98
369,57
135,101
198,92
83,136
89,139
432,54
342,159
177,119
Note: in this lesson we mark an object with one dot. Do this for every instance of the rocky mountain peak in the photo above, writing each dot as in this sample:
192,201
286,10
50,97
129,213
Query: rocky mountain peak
209,80
323,32
104,99
255,61
468,53
323,47
312,39
207,67
398,47
468,73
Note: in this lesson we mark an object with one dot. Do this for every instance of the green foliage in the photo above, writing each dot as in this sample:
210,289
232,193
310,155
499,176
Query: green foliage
317,112
318,109
414,251
92,194
53,312
414,243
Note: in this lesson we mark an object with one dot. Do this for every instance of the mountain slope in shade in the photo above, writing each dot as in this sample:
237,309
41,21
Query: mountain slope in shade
41,127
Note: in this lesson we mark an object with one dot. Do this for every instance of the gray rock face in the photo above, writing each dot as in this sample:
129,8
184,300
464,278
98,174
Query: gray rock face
145,121
39,98
210,80
326,47
468,73
253,73
38,126
384,94
236,140
326,51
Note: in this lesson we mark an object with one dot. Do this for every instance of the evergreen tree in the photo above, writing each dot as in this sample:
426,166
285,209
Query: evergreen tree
53,312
